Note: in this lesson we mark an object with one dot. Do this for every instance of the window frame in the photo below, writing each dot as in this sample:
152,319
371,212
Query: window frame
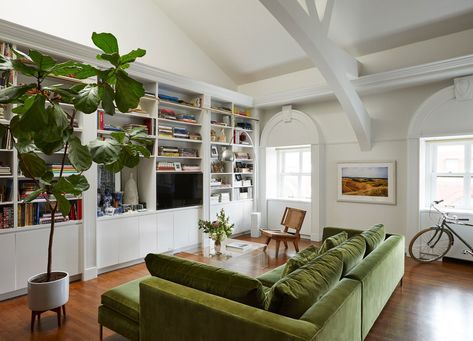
432,174
281,174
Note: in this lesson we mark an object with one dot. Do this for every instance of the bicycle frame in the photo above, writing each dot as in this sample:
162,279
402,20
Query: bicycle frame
444,225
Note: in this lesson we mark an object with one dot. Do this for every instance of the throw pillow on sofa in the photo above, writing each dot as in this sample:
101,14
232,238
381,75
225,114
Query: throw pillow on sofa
213,280
373,237
292,295
300,259
351,252
332,242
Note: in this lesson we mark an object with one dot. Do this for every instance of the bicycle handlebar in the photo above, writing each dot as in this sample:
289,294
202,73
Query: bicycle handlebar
451,219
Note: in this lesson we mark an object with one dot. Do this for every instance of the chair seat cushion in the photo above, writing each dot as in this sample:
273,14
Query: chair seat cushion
278,234
294,294
125,299
213,280
300,259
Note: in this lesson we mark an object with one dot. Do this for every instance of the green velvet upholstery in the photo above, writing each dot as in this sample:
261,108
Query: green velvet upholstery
337,315
124,299
331,231
217,281
300,259
379,273
294,294
333,241
119,323
174,312
351,252
374,237
269,278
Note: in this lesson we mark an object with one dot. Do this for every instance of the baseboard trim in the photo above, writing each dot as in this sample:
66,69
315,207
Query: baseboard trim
89,273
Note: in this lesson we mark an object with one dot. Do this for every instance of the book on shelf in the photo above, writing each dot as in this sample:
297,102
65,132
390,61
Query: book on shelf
191,168
167,114
101,120
30,214
67,170
6,217
166,166
130,126
6,141
5,170
224,197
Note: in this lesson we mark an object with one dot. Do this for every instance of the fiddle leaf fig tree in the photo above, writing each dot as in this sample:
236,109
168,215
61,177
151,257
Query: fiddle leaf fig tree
41,127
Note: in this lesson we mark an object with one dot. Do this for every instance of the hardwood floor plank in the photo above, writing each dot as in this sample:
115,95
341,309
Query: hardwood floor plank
434,304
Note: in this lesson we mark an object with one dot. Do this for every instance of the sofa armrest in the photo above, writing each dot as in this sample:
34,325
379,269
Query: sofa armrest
170,311
331,231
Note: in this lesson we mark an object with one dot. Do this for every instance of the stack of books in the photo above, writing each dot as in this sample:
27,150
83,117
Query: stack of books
224,197
184,117
167,114
68,170
165,131
195,136
6,217
180,133
131,126
191,168
187,152
58,218
166,166
168,151
5,170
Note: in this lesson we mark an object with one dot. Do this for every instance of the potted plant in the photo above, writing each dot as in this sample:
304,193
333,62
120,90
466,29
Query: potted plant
41,128
218,230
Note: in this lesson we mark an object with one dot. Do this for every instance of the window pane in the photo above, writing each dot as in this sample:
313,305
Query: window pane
450,158
305,187
450,190
306,162
291,162
290,186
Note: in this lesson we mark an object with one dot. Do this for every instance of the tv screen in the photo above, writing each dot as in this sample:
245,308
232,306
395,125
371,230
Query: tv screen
178,190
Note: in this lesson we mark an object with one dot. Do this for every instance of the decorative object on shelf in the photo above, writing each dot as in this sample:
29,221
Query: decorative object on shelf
43,128
218,167
131,191
367,182
227,155
213,136
177,166
214,151
222,137
217,230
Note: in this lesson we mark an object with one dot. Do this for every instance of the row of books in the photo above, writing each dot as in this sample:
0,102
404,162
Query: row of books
101,125
177,133
170,114
177,152
195,102
177,167
144,127
6,141
6,217
30,214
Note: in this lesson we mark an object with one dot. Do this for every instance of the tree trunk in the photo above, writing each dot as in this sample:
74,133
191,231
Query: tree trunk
50,244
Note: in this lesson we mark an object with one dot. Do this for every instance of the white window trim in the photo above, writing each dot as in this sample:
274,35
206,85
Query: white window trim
280,156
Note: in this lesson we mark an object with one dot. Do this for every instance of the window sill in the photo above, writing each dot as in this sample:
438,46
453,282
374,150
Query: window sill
290,199
450,210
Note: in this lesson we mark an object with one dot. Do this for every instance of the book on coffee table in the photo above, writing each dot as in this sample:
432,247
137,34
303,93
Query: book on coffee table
237,245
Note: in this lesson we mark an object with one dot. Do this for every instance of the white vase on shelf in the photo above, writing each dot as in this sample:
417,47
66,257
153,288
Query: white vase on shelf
130,196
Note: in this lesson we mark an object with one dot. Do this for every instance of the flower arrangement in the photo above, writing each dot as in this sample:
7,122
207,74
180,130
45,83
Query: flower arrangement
219,229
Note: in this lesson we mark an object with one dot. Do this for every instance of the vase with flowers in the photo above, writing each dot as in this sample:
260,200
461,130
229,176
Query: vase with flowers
218,230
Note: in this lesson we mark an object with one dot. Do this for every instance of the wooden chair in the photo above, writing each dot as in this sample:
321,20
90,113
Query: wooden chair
291,219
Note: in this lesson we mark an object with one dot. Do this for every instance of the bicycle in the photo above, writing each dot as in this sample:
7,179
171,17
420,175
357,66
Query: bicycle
434,242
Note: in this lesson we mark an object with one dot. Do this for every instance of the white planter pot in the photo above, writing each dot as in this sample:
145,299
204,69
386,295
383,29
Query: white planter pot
48,295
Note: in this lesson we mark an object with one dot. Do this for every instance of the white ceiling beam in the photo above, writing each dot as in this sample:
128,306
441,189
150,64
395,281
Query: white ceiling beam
334,63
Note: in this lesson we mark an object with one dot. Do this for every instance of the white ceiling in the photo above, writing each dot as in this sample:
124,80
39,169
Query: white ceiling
243,38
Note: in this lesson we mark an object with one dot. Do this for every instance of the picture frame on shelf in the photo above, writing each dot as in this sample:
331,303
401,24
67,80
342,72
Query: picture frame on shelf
177,167
367,182
214,151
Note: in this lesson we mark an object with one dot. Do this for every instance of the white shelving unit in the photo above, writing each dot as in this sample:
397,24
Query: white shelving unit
97,244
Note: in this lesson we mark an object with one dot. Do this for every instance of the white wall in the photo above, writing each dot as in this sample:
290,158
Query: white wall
391,114
135,23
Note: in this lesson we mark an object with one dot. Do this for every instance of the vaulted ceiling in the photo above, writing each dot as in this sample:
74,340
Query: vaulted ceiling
249,44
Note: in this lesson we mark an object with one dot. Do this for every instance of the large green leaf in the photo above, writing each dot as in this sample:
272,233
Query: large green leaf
127,91
24,146
105,152
129,156
57,117
119,136
140,150
21,55
113,58
131,56
43,62
33,195
28,70
5,63
88,99
107,94
32,116
13,93
64,204
106,42
65,69
79,155
32,165
73,184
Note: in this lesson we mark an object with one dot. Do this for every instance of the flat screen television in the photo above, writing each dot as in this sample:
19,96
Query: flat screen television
178,190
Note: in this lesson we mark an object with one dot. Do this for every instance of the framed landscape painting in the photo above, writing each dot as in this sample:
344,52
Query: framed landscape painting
367,182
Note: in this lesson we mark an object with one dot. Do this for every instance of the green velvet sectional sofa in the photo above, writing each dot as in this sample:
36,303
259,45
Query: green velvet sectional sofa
335,292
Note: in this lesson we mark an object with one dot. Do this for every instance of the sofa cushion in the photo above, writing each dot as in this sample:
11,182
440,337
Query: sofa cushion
352,252
293,295
125,299
269,278
213,280
300,259
332,242
373,237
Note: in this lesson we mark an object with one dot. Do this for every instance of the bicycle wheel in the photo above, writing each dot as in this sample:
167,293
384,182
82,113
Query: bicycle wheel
430,244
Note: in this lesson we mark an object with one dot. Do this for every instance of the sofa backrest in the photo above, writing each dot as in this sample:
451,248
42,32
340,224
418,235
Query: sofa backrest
213,280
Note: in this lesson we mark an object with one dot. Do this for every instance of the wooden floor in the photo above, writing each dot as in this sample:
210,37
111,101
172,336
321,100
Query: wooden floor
434,304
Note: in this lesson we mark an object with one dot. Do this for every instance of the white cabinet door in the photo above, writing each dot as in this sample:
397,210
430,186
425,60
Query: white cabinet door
148,234
186,228
7,263
246,216
165,232
107,243
128,239
66,249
